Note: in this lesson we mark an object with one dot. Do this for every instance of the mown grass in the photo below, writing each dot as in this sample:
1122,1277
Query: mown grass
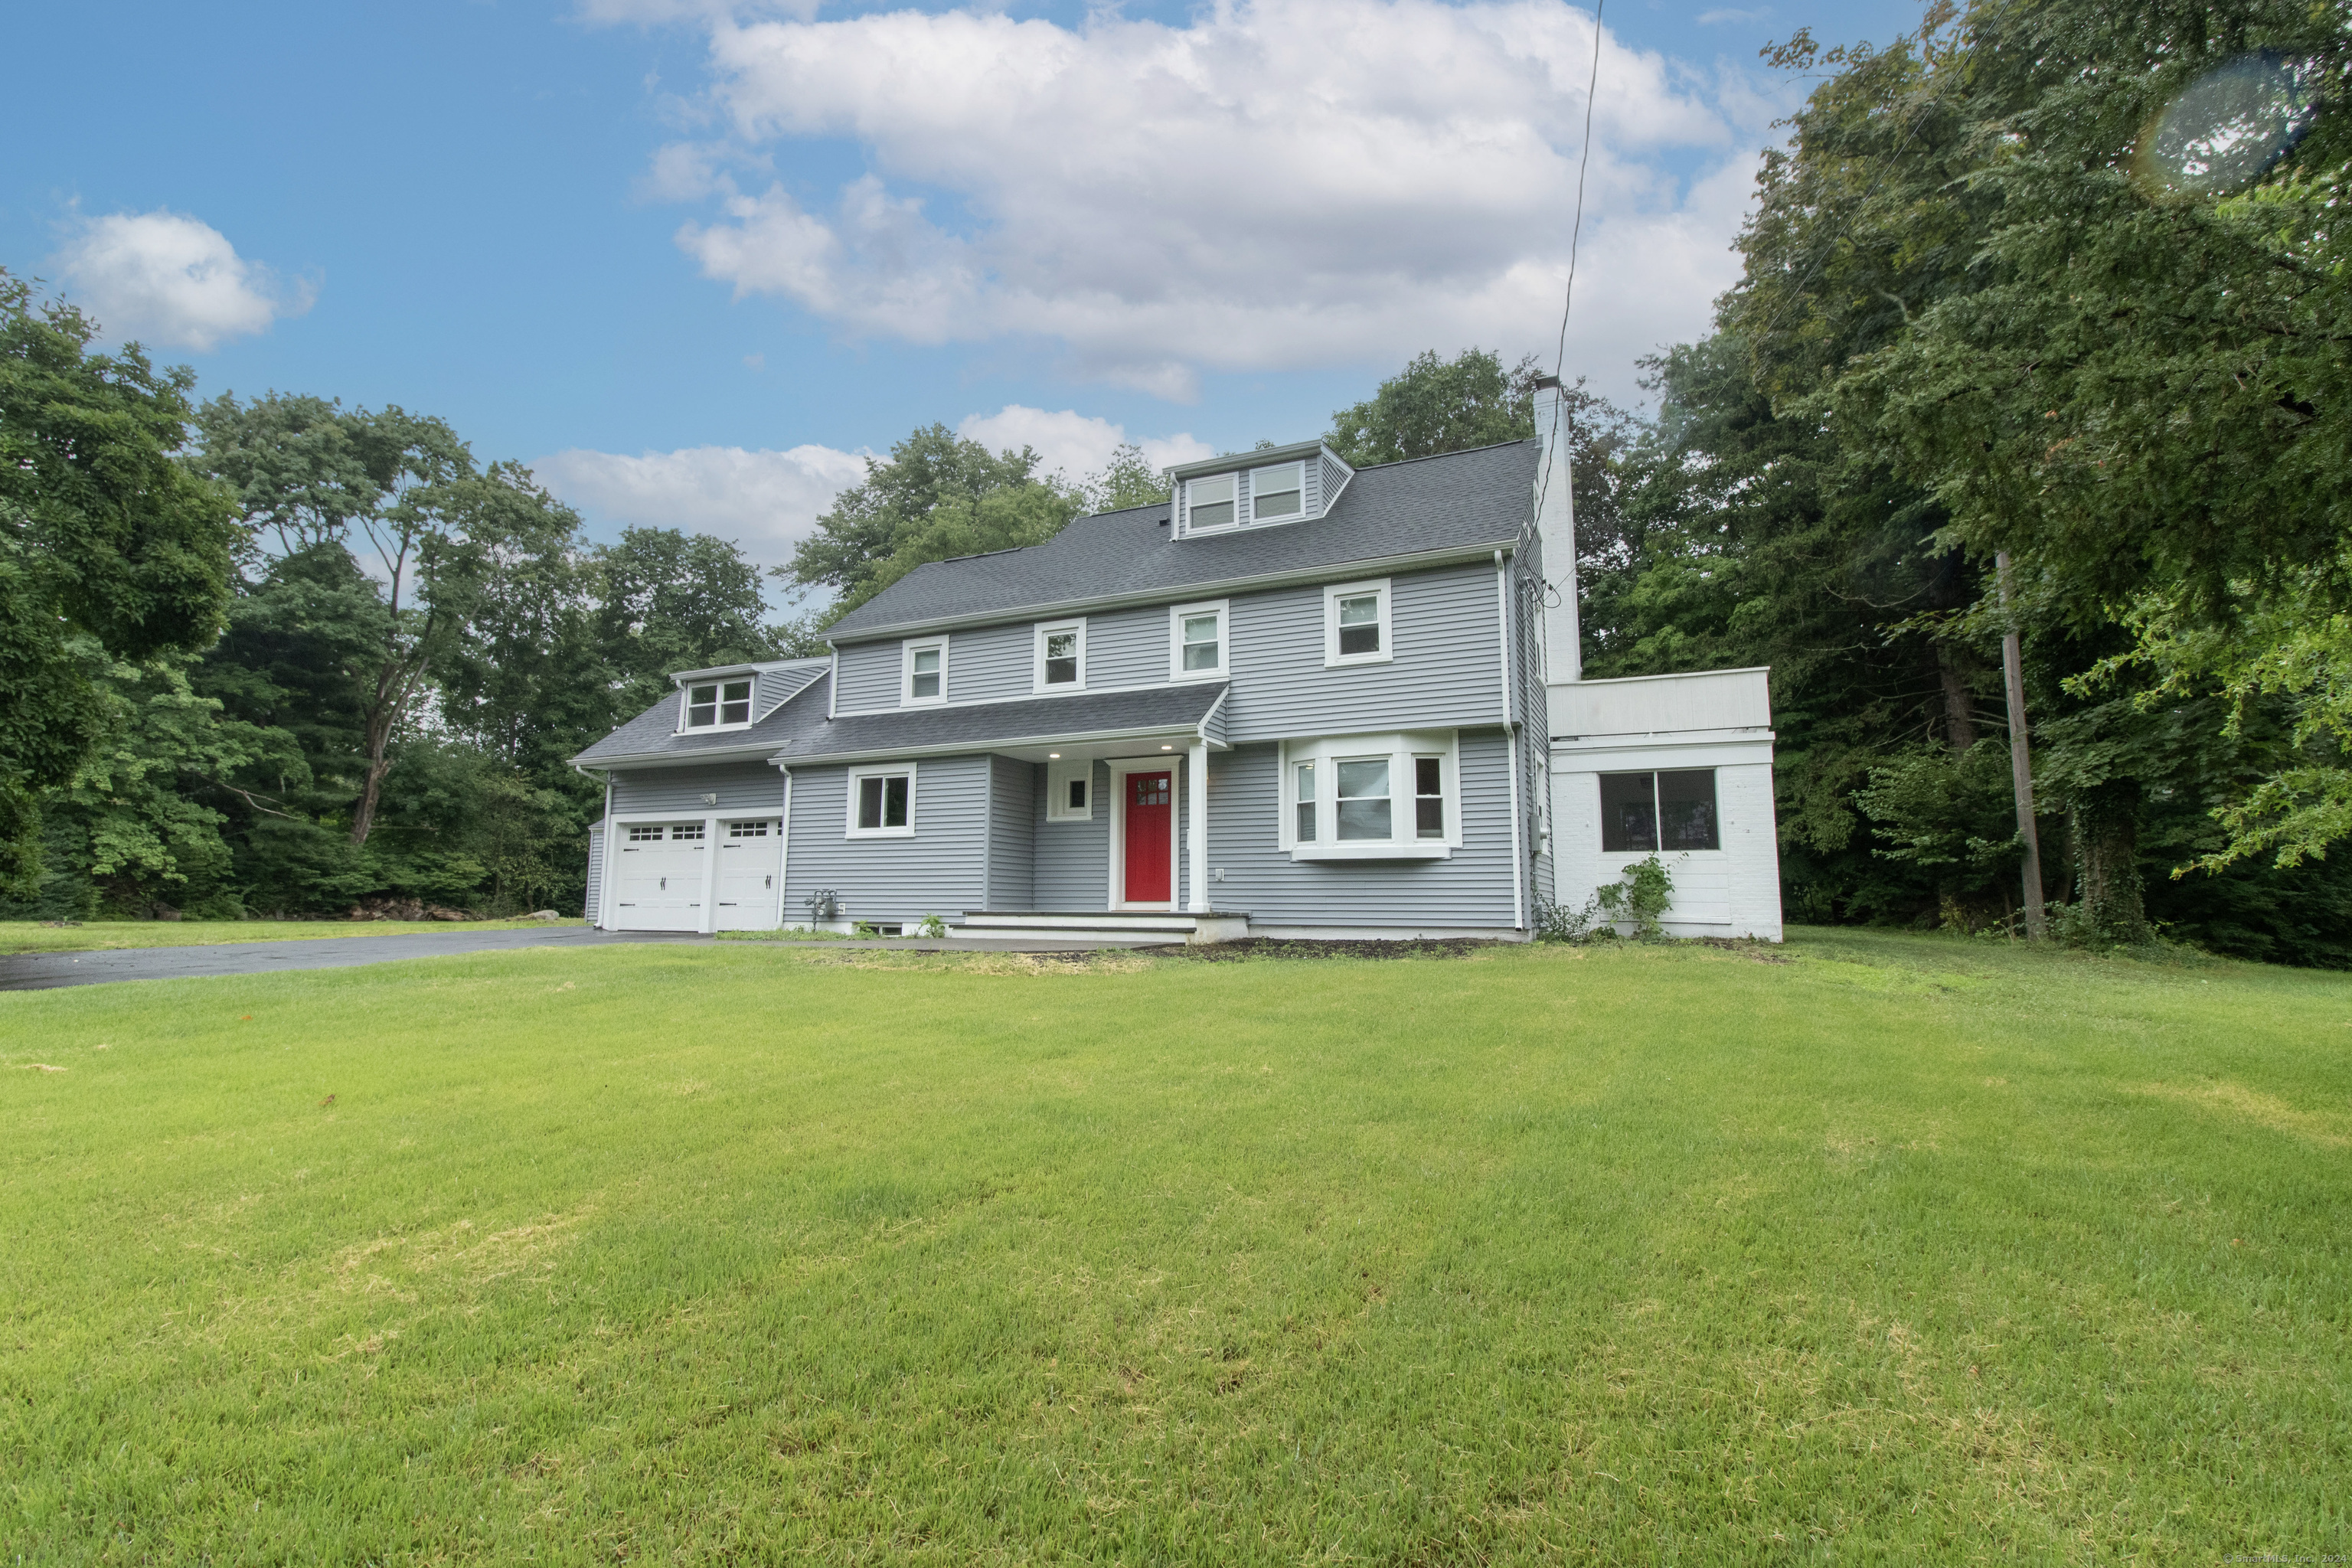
1903,1251
32,936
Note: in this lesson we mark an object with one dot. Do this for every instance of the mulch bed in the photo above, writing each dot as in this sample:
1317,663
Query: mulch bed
1275,947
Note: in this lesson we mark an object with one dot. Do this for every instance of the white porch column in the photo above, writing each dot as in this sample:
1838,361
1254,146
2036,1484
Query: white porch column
1196,828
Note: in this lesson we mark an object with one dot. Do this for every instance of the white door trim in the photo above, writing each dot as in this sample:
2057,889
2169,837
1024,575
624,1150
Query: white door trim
1120,767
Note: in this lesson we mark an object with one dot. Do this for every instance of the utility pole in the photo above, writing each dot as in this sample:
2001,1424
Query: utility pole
2020,755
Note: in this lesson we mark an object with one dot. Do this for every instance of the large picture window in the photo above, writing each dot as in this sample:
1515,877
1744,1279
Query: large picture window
1670,811
882,802
1372,797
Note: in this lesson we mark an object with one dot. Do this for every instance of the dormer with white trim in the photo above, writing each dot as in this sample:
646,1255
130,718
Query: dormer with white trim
1264,489
737,696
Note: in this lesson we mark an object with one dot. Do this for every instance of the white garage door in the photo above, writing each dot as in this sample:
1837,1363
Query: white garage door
659,884
751,859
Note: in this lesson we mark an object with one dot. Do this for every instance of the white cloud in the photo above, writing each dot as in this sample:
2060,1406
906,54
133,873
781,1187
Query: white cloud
764,501
1726,14
1277,183
1073,444
167,278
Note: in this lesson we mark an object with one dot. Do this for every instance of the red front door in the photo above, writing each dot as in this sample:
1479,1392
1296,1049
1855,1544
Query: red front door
1150,836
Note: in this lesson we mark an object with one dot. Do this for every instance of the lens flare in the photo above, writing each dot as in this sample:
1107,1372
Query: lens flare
2227,129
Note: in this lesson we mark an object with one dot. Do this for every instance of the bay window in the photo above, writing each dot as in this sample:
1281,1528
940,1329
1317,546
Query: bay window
1372,797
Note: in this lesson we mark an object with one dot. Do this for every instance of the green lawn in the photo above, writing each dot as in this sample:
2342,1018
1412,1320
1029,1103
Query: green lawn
1904,1251
32,936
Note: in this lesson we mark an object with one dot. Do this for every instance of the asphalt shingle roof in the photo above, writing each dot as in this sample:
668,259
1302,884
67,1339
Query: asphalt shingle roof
1475,500
977,726
654,732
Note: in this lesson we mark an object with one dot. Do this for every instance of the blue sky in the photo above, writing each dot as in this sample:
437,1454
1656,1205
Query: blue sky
690,256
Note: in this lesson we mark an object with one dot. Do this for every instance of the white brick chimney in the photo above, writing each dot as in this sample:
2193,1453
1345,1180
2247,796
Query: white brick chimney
1556,526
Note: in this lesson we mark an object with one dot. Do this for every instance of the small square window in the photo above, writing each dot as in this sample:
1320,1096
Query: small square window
1069,790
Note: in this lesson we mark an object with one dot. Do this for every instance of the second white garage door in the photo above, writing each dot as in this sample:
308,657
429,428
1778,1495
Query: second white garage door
751,861
658,885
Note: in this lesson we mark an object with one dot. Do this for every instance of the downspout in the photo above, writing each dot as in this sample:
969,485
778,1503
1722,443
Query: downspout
784,847
1511,746
832,684
604,881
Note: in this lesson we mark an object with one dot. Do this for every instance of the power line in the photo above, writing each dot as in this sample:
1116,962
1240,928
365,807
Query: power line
1575,238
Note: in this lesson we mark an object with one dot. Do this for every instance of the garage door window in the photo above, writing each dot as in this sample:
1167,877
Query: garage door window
640,833
746,830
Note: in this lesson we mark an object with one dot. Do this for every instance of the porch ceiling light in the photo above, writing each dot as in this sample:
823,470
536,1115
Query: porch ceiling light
1055,756
1167,748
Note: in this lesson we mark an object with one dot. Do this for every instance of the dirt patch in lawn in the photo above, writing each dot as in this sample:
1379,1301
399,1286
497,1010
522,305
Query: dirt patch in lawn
1276,947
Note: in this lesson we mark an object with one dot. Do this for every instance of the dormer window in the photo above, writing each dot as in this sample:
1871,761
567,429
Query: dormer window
717,704
1210,504
1277,494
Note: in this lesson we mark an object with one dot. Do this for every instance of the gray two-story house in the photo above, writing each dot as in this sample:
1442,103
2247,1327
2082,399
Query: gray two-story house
1293,698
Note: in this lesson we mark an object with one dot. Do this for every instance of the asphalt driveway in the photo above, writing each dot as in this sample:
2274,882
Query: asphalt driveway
44,970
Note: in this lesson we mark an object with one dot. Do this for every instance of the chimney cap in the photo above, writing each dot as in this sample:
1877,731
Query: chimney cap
1547,382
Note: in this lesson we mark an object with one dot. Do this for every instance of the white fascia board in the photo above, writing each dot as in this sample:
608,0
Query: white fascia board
760,753
1337,571
1637,755
1672,675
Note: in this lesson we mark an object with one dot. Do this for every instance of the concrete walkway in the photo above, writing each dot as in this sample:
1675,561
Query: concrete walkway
44,971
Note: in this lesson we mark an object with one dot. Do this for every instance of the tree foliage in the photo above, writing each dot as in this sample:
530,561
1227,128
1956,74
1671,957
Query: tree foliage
1436,406
105,541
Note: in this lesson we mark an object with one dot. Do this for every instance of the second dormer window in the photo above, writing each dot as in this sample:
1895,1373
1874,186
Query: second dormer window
1276,494
717,703
1208,503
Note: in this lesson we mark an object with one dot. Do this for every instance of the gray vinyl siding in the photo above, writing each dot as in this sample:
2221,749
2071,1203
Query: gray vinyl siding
991,664
870,675
1330,479
1013,810
1073,858
1128,647
595,868
941,870
1447,669
752,786
1470,889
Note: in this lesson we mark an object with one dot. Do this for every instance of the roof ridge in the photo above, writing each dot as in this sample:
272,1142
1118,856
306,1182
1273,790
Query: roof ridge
1457,452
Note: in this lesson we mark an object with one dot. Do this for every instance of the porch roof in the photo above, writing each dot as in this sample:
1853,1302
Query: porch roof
1191,712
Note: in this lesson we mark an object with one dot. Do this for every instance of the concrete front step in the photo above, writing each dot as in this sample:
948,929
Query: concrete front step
1105,925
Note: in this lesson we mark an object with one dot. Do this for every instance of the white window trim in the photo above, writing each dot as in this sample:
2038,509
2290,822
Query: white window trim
879,770
1223,610
1332,593
906,652
1037,656
1400,749
1297,463
723,682
1058,775
1207,479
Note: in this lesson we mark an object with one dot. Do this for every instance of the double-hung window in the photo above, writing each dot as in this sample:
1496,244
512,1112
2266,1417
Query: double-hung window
924,677
1197,641
1061,657
1356,623
1277,494
1209,504
1372,797
882,802
719,704
1672,811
